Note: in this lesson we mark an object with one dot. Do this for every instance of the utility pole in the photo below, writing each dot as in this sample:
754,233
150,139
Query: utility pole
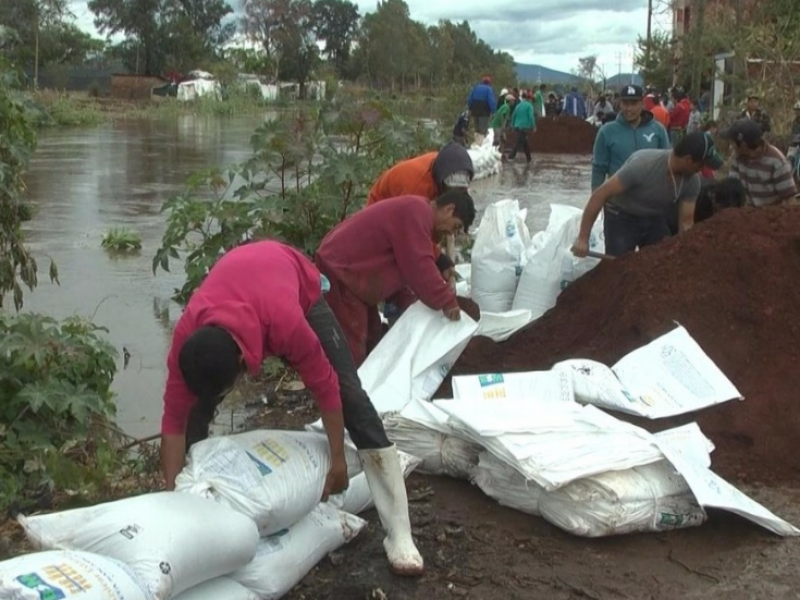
649,32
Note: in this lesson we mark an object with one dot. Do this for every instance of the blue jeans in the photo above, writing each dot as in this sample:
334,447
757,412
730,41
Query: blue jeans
625,232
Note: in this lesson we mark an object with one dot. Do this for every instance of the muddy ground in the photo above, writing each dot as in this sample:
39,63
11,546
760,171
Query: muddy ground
475,548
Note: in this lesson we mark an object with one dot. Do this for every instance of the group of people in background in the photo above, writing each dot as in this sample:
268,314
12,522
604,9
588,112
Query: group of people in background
654,157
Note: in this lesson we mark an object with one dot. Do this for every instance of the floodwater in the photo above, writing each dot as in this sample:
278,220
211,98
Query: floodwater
84,182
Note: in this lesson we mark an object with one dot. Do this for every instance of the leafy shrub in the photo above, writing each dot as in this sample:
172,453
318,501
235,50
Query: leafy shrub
56,407
308,171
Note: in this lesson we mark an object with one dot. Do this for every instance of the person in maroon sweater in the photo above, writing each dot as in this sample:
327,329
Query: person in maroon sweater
679,115
265,299
376,253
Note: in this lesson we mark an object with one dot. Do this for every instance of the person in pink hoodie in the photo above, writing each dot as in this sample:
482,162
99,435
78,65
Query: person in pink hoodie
265,299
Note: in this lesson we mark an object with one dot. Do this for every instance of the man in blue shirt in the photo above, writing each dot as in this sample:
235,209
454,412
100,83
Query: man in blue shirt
482,104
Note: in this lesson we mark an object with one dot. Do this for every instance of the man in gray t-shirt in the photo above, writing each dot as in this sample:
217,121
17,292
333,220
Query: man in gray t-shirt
638,198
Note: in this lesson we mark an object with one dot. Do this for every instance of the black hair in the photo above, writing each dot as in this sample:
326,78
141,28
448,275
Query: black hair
717,195
210,361
463,205
694,144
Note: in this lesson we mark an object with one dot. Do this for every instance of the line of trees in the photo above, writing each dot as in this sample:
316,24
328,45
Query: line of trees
280,39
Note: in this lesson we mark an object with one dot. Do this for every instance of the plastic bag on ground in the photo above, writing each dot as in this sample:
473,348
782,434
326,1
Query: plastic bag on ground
274,477
284,558
62,575
669,376
552,267
535,385
421,429
648,498
172,541
501,326
357,498
221,588
498,256
502,483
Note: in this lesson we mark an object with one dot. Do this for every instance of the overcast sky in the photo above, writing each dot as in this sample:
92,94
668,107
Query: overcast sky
552,33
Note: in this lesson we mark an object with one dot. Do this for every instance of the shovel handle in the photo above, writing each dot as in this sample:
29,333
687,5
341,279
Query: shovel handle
600,255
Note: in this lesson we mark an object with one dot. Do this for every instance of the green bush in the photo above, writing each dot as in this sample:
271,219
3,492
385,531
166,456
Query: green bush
56,407
308,171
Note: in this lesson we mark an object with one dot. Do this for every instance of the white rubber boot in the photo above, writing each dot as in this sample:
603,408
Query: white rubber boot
385,478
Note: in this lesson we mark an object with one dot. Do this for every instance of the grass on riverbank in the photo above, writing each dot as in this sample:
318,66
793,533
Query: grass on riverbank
75,109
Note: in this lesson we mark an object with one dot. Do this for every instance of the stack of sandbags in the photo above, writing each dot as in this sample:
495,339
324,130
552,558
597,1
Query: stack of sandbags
245,523
499,256
169,543
550,265
486,158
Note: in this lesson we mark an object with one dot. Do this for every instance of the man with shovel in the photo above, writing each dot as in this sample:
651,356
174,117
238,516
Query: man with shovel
265,299
638,198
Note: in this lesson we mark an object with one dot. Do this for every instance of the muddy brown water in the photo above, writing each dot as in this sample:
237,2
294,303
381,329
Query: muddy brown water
84,182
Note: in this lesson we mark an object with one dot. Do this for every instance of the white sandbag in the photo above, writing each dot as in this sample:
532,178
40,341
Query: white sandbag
502,483
274,477
647,498
498,256
414,357
669,376
421,429
551,442
553,267
551,385
285,558
61,574
172,541
486,158
358,497
221,588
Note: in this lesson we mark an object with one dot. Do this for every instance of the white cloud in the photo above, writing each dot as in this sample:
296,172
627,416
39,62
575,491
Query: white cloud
553,33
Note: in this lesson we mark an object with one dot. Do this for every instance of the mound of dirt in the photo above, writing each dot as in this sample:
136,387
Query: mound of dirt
559,135
734,283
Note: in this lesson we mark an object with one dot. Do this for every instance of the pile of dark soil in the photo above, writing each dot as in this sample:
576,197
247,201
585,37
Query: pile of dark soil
734,283
559,135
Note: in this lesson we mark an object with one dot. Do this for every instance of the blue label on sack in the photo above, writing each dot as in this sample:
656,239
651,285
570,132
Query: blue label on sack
46,591
493,379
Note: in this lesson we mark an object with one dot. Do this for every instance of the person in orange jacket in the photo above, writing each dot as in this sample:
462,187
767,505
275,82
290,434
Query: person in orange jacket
429,175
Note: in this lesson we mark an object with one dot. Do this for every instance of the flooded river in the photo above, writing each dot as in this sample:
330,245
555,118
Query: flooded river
84,182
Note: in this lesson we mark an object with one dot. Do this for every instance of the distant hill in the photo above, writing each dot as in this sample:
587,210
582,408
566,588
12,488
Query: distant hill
624,79
537,73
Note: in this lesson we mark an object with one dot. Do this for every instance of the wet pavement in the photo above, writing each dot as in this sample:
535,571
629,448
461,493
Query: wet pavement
84,182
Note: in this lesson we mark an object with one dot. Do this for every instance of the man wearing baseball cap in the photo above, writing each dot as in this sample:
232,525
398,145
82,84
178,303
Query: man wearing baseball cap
638,199
762,168
633,129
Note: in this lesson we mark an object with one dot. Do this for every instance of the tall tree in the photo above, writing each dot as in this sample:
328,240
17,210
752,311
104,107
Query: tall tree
299,50
656,60
336,24
33,21
164,33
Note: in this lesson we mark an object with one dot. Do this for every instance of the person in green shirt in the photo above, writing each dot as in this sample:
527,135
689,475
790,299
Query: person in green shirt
523,121
500,120
538,101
